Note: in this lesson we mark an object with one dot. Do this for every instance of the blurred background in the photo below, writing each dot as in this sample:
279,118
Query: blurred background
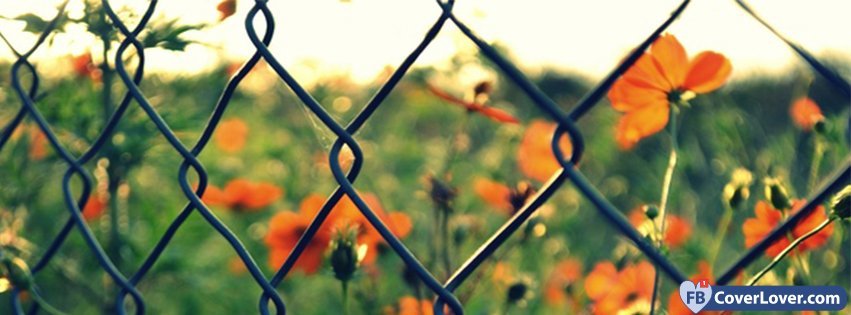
418,143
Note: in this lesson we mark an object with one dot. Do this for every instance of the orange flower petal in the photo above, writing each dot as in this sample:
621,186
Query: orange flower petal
231,135
626,96
707,72
671,58
38,144
94,207
400,224
213,196
226,8
646,73
805,113
493,193
641,123
600,281
497,114
261,195
535,156
813,220
677,231
311,205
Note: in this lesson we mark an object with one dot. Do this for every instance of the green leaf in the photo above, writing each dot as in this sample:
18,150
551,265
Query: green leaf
168,36
35,24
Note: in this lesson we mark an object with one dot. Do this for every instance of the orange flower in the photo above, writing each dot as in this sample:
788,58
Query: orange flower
494,114
612,290
409,305
563,277
767,218
286,227
677,230
94,207
665,74
805,113
38,144
535,154
507,200
675,303
493,193
242,195
226,8
348,213
231,135
84,67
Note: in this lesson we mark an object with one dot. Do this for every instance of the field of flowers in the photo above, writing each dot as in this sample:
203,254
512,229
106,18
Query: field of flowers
703,165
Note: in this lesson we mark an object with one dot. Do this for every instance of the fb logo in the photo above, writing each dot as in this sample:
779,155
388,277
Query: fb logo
695,295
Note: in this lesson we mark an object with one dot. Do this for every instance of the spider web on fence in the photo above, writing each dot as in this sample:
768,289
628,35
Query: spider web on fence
126,284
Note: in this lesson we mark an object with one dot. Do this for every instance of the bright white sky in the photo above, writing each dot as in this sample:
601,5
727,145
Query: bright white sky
328,37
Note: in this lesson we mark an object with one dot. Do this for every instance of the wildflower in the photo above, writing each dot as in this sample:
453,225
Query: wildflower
535,155
659,78
242,195
507,200
738,189
806,114
767,218
776,193
38,144
346,254
286,227
677,229
494,114
612,290
408,305
83,67
519,291
17,272
231,135
226,8
95,206
493,193
675,303
561,282
441,193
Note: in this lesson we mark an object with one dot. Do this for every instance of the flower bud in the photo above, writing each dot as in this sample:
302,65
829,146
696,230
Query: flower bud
484,87
18,273
518,196
820,126
441,193
840,206
519,291
776,194
737,191
346,255
651,211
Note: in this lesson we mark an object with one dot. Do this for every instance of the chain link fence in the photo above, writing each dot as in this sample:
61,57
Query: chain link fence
444,292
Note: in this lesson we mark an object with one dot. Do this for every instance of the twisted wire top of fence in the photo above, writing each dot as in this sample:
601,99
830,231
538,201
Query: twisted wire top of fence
444,292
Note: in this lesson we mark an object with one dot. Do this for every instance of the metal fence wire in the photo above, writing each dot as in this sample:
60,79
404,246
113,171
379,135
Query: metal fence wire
444,292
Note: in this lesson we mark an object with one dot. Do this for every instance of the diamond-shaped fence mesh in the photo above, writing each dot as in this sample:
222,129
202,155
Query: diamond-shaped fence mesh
25,83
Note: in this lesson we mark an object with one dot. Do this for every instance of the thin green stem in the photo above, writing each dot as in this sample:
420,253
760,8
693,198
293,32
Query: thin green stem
344,286
663,202
818,152
444,229
789,249
44,305
721,232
